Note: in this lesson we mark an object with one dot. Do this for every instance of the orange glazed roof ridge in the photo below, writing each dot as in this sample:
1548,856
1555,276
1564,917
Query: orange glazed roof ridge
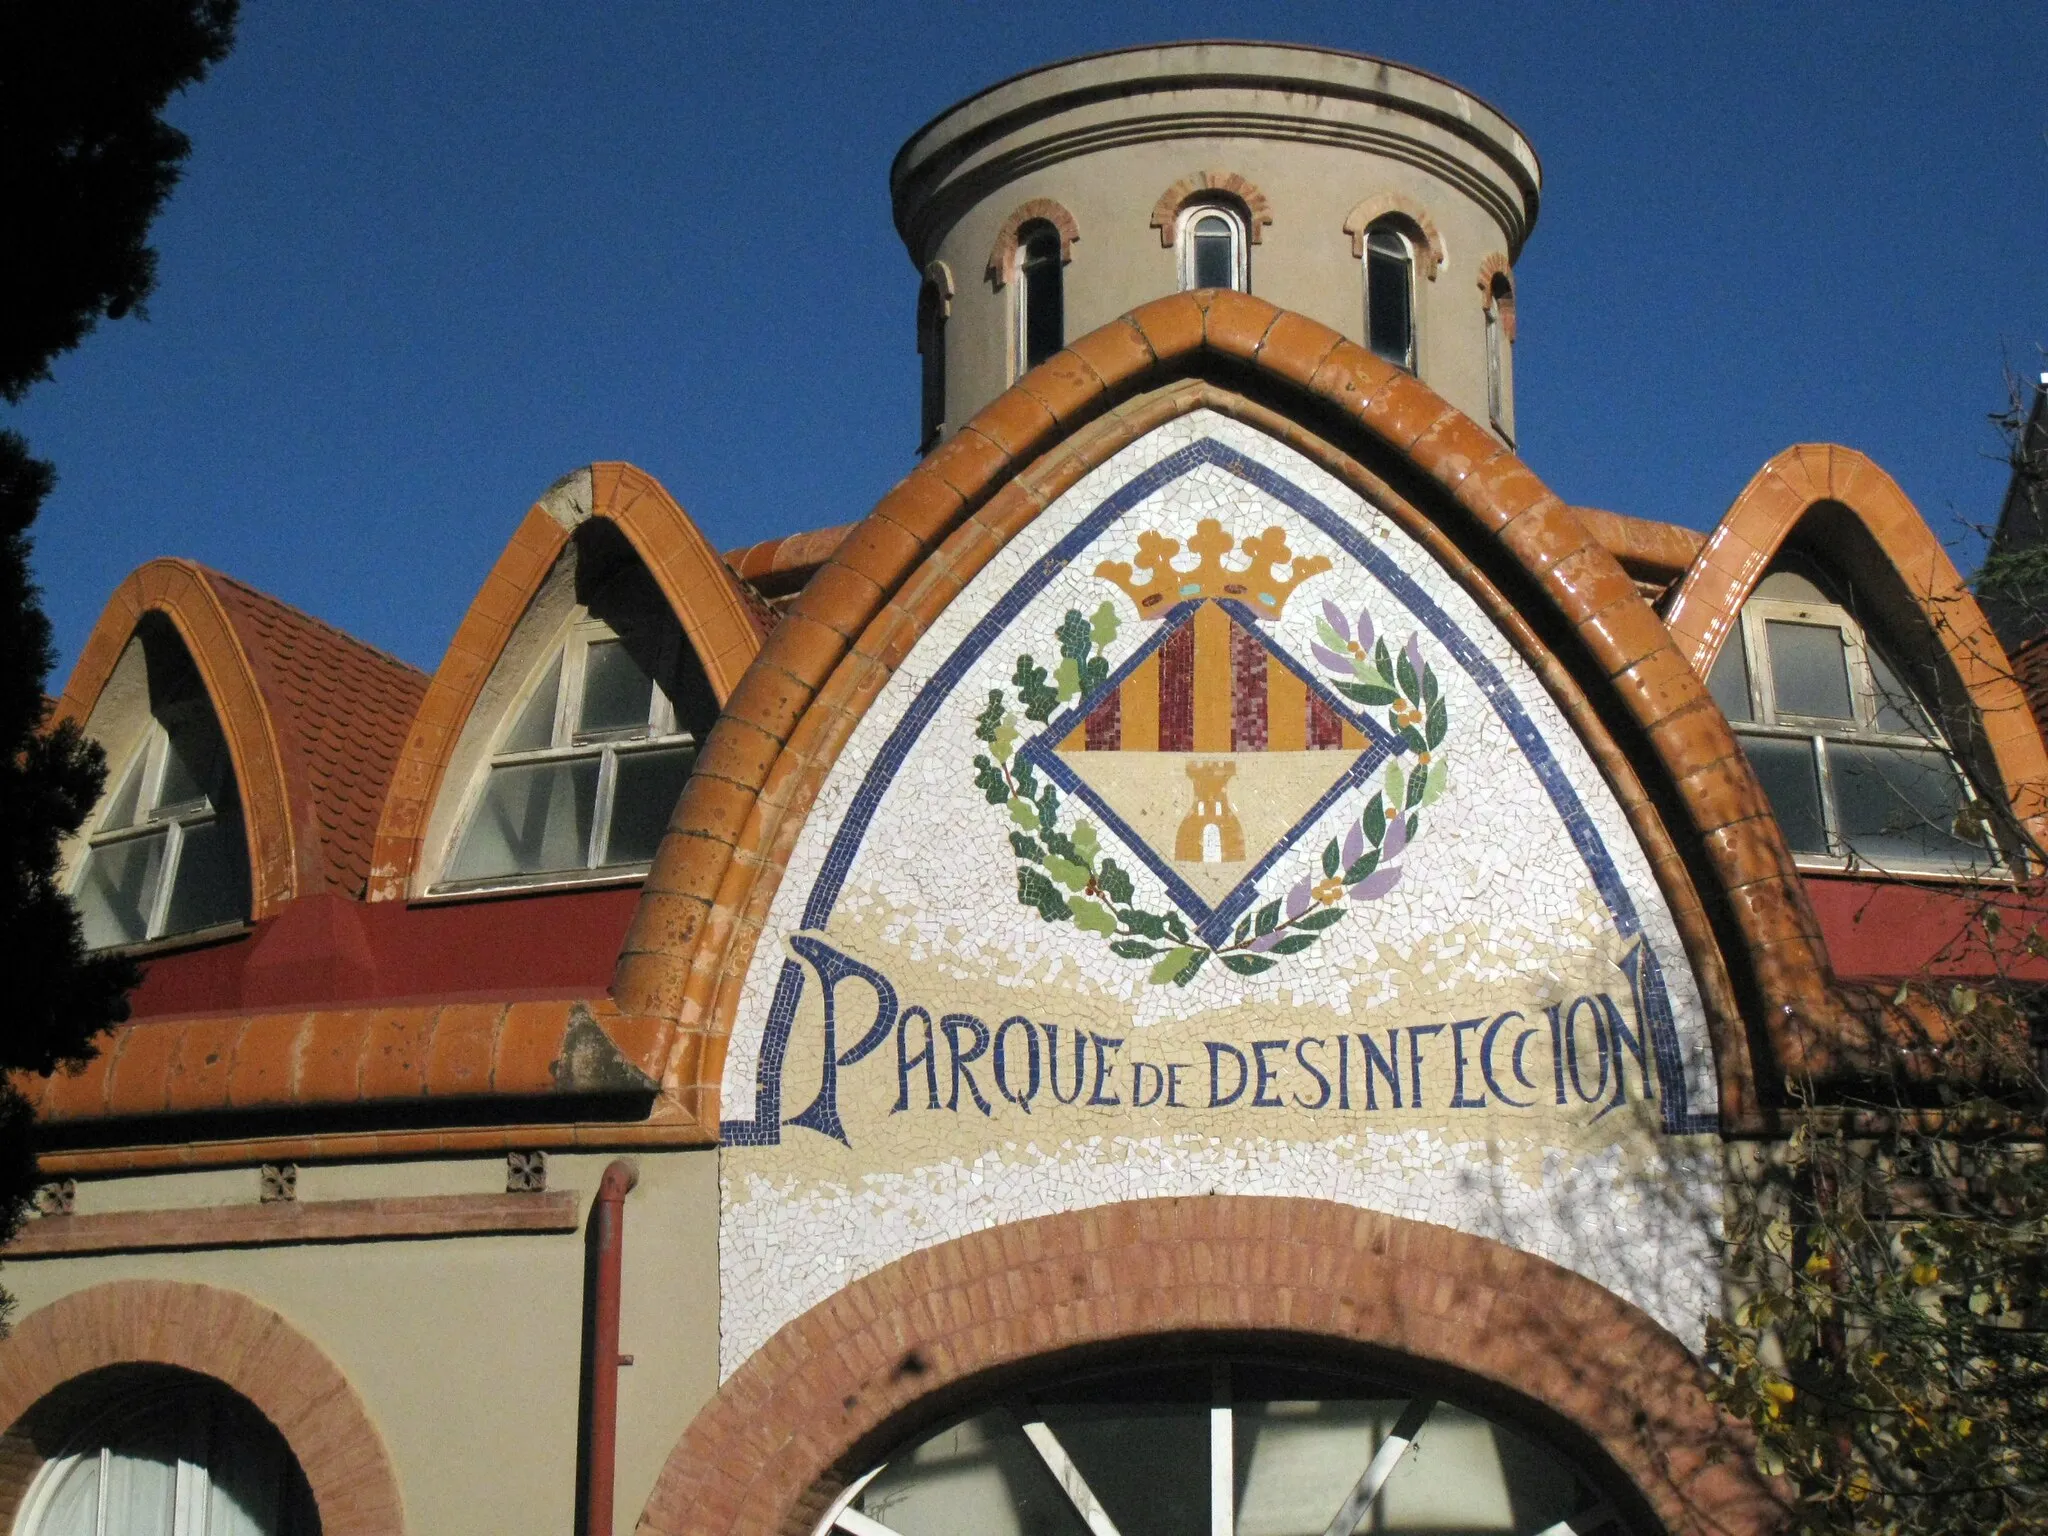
341,709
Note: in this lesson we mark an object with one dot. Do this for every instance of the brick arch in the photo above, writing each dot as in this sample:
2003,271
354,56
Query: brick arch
281,863
1002,256
703,902
1710,595
940,277
788,1428
1193,189
1360,220
1496,269
723,628
242,1345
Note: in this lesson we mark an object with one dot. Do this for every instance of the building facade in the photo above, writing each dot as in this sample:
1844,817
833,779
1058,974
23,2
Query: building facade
1208,963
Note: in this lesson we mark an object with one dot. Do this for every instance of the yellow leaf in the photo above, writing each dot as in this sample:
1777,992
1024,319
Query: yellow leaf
1925,1273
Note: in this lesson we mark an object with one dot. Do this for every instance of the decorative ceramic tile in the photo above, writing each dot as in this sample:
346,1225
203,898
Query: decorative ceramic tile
1213,840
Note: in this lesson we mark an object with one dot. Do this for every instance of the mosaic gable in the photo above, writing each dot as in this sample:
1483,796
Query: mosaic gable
1214,840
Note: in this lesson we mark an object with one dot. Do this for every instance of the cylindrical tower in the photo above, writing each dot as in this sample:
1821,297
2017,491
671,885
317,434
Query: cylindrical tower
1382,201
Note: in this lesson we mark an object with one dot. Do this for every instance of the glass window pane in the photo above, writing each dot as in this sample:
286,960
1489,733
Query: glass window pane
644,796
117,888
1297,1459
1810,670
616,690
142,1490
1786,770
74,1504
192,760
1389,300
535,727
981,1476
1215,264
125,801
1897,709
1045,313
1896,804
1494,395
1148,1463
1468,1475
534,818
1729,681
211,883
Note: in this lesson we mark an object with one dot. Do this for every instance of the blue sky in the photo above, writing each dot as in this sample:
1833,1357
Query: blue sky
427,258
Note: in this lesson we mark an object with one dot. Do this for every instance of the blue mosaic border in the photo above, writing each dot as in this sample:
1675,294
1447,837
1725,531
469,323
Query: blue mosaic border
766,1126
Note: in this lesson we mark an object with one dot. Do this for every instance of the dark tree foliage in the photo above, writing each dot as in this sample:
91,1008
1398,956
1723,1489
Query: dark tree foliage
86,161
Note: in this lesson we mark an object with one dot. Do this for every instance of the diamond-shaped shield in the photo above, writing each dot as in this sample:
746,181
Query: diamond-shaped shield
1209,753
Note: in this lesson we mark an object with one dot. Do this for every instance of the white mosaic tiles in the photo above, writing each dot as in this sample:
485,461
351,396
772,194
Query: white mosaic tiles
1108,902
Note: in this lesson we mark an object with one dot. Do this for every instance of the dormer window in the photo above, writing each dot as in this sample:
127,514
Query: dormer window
1212,248
1390,294
1041,295
166,854
590,764
1853,764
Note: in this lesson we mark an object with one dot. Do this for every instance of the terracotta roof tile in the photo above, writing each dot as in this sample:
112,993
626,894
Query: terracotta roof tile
341,710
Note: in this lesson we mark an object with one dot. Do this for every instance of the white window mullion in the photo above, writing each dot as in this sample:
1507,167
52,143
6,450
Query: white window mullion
166,877
601,813
569,698
1830,820
1222,1456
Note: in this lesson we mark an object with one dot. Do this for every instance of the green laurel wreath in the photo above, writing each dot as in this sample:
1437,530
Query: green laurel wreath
1066,877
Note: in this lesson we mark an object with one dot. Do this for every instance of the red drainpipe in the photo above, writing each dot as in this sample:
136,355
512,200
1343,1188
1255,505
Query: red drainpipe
608,1233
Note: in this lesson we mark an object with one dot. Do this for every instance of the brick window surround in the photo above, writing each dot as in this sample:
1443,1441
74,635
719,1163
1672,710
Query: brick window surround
1002,256
1406,212
919,1339
1204,186
1496,269
237,1342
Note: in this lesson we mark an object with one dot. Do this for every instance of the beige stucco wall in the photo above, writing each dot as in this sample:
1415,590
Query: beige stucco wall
1317,133
466,1352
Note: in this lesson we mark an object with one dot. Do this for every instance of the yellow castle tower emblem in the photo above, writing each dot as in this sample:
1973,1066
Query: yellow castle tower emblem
1210,833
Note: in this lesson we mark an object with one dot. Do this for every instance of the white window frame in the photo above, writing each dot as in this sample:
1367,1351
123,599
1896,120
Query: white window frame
1767,721
1392,226
150,760
566,744
1240,245
1496,368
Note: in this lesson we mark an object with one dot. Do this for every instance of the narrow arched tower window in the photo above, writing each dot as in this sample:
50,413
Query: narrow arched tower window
1500,301
1390,295
931,347
1212,249
1041,295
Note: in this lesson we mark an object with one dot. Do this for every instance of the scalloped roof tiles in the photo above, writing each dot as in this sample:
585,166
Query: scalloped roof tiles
341,710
